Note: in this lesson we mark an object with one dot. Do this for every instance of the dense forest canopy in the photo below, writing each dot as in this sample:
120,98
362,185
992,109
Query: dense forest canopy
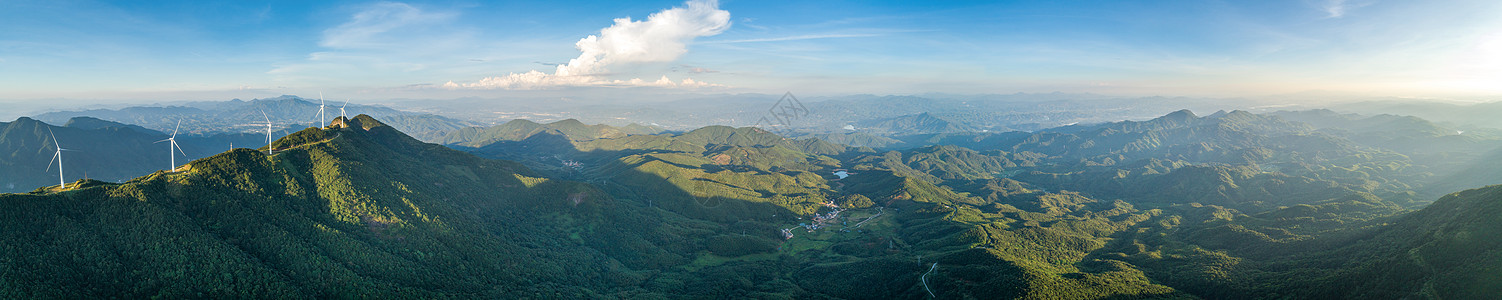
1228,205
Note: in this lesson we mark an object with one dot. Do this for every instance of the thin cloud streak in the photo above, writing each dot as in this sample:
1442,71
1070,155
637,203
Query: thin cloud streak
793,38
364,28
1338,8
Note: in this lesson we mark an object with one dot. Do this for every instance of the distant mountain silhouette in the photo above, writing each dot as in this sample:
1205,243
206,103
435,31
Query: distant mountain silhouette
913,124
239,116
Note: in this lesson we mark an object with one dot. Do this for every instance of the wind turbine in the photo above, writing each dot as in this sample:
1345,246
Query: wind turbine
58,157
341,110
268,132
320,110
172,144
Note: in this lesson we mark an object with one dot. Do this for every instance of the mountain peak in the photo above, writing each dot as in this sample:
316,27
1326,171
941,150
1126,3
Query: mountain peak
515,122
568,122
1180,114
25,120
90,123
364,121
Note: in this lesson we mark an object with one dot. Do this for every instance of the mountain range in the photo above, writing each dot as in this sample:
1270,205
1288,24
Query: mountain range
239,116
1227,205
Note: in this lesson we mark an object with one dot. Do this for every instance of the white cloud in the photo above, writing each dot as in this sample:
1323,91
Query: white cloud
795,38
1338,8
535,80
531,80
665,83
698,70
662,37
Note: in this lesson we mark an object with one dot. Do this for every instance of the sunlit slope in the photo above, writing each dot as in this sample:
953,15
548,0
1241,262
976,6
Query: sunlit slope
1448,250
717,173
363,210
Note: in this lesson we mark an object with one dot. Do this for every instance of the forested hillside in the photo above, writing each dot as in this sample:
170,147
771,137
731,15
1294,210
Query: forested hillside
1231,205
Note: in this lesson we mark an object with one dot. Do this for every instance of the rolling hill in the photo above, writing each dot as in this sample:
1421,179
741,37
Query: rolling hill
354,209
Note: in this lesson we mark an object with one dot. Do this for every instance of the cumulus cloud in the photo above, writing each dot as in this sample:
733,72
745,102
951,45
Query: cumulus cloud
662,37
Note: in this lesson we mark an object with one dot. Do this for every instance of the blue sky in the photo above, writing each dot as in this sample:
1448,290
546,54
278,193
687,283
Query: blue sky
179,50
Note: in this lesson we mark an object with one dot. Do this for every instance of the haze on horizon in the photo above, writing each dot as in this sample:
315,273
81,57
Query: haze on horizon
186,50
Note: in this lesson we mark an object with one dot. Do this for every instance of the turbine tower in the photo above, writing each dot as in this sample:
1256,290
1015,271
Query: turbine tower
320,110
268,132
172,144
58,157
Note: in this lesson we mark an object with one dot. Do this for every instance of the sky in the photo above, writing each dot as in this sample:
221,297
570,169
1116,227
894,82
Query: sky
56,50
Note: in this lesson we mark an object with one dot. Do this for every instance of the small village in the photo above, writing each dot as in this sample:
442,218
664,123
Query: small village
828,219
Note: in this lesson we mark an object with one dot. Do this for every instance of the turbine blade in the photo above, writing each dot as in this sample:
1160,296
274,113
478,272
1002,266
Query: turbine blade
174,129
161,141
179,149
54,138
54,158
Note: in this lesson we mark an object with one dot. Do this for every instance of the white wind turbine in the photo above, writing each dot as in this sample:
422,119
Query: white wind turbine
268,132
58,157
341,110
320,110
172,144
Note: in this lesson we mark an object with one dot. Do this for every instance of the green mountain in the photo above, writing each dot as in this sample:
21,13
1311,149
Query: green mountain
717,173
88,123
1439,252
936,163
355,209
1126,210
1458,159
1387,152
